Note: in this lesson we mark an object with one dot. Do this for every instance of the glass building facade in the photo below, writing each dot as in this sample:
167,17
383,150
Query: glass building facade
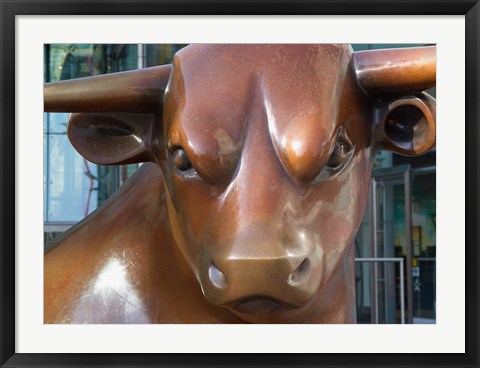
395,246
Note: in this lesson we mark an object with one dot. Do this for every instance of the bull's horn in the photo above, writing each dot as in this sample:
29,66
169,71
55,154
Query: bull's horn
133,91
396,70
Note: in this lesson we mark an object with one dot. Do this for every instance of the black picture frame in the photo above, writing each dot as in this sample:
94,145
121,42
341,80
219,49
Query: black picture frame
9,9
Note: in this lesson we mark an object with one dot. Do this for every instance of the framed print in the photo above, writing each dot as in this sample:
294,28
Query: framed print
27,337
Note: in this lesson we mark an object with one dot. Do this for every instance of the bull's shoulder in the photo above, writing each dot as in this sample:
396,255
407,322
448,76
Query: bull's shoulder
94,273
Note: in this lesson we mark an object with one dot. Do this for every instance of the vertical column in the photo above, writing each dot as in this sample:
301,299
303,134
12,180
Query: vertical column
408,242
374,253
141,56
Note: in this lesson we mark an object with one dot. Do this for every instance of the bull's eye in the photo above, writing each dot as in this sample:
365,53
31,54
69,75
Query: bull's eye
339,154
180,159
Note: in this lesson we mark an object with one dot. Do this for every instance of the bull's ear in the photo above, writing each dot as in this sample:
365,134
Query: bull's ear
407,125
112,138
116,115
395,79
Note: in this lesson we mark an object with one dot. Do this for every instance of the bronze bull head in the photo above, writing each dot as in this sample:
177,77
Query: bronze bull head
258,163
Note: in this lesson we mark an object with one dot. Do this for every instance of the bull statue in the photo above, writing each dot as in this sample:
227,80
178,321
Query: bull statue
256,168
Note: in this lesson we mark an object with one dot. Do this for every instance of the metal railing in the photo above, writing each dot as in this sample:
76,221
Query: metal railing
402,291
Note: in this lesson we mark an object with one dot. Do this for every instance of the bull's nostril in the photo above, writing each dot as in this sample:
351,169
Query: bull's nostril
217,277
300,274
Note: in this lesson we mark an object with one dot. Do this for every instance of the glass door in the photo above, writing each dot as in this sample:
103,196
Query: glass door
390,239
424,245
395,248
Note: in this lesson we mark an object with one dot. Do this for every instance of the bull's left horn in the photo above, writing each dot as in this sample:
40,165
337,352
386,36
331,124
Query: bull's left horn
396,70
133,91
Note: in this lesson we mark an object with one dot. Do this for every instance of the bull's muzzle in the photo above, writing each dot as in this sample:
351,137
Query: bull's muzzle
261,284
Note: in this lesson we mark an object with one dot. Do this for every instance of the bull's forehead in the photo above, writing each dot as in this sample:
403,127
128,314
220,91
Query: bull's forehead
218,91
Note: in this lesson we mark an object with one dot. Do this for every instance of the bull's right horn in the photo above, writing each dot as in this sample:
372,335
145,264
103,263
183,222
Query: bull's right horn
396,70
133,91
